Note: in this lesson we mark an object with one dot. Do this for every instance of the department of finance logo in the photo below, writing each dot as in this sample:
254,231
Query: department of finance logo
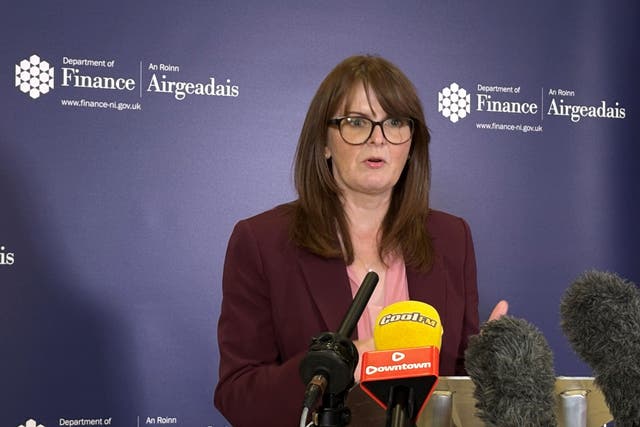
34,77
31,423
454,102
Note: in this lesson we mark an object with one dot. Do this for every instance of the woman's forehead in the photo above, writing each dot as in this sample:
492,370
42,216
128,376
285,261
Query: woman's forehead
359,97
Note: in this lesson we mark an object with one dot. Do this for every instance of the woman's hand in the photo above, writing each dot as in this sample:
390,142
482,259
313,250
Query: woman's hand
499,310
363,346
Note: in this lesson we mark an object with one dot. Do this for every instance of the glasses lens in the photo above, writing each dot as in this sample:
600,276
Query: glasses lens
397,131
356,130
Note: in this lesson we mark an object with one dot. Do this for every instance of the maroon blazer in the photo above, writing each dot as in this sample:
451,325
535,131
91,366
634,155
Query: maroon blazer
277,296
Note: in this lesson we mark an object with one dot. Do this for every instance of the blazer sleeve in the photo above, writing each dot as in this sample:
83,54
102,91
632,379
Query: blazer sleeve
255,386
470,325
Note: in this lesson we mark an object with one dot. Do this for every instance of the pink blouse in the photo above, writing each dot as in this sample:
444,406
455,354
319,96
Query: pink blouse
395,288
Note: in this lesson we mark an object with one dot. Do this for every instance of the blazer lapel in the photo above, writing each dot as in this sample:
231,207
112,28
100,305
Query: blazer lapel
328,284
430,287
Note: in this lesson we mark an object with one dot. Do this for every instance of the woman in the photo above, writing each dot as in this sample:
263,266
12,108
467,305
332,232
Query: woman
362,177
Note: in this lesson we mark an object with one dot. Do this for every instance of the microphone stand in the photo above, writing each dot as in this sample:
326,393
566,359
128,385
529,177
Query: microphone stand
334,412
400,408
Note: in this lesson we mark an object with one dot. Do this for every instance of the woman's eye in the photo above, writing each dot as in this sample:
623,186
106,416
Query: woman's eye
357,122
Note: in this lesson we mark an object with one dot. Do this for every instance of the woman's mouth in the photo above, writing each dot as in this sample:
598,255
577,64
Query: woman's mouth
374,162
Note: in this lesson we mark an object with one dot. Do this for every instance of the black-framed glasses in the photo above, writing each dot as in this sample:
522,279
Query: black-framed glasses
357,130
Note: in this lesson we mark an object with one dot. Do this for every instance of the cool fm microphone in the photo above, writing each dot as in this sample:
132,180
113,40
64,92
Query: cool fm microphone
403,371
331,361
600,315
511,366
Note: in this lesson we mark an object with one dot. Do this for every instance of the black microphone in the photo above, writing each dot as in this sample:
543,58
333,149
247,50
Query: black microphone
511,366
360,301
600,316
332,357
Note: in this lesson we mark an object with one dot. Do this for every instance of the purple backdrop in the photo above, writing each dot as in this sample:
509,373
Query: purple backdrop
116,204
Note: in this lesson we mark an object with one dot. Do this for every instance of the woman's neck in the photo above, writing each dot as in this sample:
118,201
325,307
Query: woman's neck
365,215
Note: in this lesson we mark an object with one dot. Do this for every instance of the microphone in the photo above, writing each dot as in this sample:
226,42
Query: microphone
511,366
403,371
332,357
600,316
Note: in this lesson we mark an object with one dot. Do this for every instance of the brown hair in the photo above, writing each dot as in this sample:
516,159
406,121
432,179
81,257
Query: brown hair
319,217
